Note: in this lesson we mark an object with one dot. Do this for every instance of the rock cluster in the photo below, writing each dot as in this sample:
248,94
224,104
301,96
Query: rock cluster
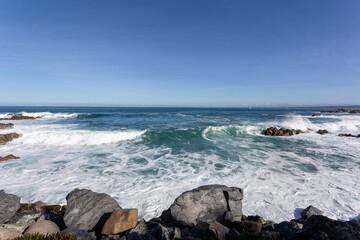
19,118
348,135
342,110
206,212
4,138
6,125
322,131
274,131
316,115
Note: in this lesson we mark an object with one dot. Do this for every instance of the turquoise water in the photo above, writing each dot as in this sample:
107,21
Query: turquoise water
145,157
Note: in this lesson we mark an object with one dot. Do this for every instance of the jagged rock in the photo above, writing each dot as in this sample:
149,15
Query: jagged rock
274,131
88,210
43,227
269,235
233,234
322,131
4,138
6,125
6,234
247,226
14,228
55,213
309,211
8,157
79,234
216,230
25,219
322,228
288,229
9,204
206,204
141,228
165,233
342,110
120,221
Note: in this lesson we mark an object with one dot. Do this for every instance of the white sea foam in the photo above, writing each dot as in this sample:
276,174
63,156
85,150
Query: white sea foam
45,115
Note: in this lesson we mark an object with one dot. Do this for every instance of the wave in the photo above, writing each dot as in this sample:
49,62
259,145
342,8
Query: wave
230,130
44,115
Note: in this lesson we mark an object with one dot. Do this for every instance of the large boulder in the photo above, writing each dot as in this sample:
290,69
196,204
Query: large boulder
6,125
88,210
206,204
19,118
6,234
323,228
120,221
8,157
44,227
4,138
79,234
274,131
9,204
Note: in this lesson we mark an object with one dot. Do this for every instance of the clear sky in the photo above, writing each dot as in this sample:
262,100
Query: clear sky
179,52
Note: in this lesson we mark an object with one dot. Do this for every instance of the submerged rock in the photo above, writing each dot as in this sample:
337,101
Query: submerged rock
347,135
9,204
205,204
316,115
322,131
274,131
342,110
88,210
4,138
6,125
8,157
19,118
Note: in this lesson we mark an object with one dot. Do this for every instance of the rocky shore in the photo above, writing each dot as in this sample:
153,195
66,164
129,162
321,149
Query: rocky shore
206,212
342,110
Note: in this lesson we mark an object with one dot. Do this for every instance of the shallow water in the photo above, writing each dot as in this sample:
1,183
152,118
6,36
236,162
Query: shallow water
145,157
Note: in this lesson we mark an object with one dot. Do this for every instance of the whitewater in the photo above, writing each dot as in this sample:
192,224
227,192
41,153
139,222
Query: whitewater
146,157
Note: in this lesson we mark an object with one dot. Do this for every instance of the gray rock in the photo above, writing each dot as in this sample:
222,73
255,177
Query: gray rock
6,234
165,233
79,234
206,204
322,228
233,234
9,204
141,228
269,235
44,227
309,211
88,210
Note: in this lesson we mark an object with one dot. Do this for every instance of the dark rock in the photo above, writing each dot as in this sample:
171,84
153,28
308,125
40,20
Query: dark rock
55,213
4,138
134,236
206,204
322,228
88,210
255,219
6,125
288,229
79,234
346,135
274,131
228,217
8,157
342,110
165,233
247,226
233,234
216,230
269,225
9,204
19,118
141,228
269,235
316,115
322,131
309,211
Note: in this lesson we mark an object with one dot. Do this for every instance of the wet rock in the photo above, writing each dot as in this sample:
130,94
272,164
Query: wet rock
4,138
120,221
88,210
316,115
247,226
79,234
9,204
19,118
309,211
43,227
8,157
342,110
322,131
206,204
323,228
346,135
269,235
6,234
141,228
274,131
165,233
6,125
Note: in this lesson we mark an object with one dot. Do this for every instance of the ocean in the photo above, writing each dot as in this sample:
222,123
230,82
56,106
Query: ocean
146,157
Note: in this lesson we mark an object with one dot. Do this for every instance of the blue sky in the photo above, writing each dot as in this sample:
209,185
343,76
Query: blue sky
179,53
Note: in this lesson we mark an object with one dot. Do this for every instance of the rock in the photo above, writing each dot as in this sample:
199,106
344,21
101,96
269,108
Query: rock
88,210
19,118
120,221
6,234
255,219
165,233
8,157
309,211
342,110
79,234
14,228
6,125
288,229
28,214
216,230
55,213
4,138
233,234
247,226
274,131
322,132
322,228
316,115
43,227
141,228
134,236
9,204
346,135
269,235
206,204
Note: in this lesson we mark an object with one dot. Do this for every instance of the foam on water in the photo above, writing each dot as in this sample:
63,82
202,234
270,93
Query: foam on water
45,115
145,169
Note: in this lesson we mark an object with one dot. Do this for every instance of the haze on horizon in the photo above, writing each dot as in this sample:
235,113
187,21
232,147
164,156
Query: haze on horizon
180,53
